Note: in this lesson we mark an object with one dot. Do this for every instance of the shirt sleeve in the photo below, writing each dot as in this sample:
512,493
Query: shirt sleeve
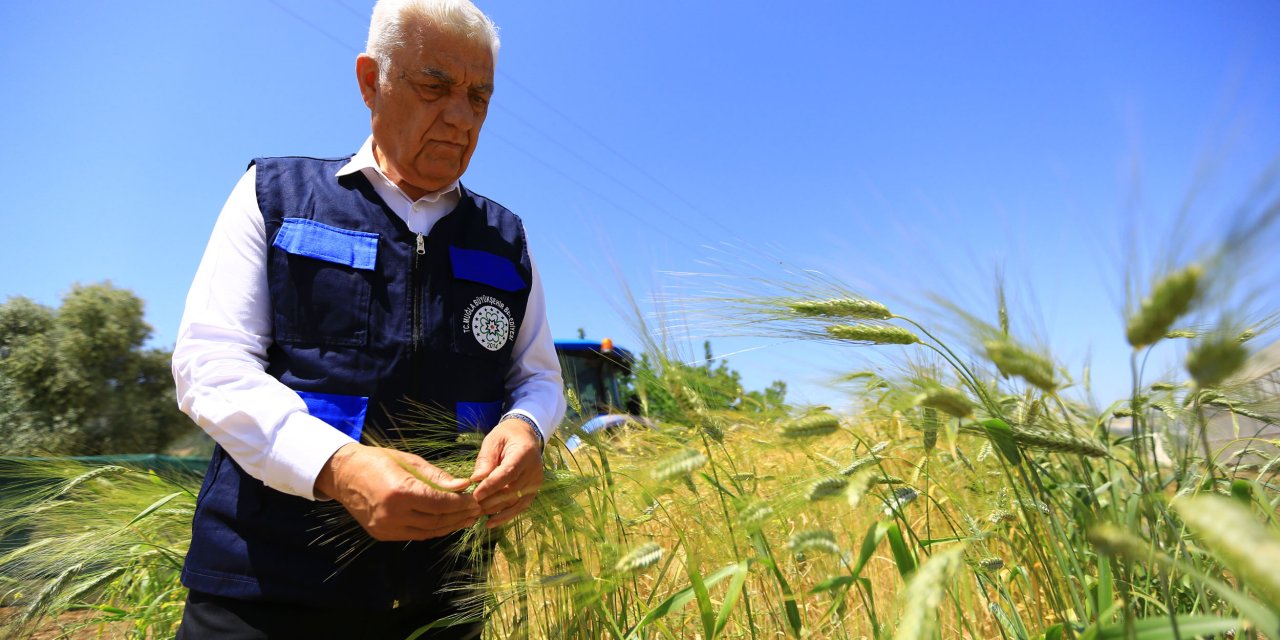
534,384
219,359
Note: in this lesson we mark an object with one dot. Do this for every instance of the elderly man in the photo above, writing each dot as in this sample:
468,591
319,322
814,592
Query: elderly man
334,295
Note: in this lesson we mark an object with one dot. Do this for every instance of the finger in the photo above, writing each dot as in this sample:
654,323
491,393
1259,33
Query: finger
504,500
527,485
450,525
499,501
447,526
505,474
436,522
502,497
435,503
433,476
404,534
397,534
489,458
403,531
507,514
527,481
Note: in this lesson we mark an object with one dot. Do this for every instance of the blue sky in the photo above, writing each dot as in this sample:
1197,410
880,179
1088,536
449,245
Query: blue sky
904,149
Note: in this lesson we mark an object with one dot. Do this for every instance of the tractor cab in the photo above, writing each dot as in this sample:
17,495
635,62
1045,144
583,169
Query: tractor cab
595,373
594,370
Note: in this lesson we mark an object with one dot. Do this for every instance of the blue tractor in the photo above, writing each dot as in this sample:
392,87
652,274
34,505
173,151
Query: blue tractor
596,372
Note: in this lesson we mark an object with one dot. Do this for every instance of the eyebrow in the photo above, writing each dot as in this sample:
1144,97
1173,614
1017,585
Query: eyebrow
438,74
443,76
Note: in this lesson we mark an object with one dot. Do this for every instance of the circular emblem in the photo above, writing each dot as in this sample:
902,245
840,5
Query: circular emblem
490,326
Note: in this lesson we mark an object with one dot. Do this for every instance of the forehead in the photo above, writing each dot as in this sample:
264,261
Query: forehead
428,49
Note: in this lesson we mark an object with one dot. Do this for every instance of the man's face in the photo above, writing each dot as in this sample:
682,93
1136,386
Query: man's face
427,114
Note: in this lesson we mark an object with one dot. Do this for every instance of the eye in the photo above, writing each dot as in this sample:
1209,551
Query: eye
480,99
431,90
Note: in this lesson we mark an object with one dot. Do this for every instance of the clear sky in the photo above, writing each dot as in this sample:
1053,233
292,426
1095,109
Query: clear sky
905,148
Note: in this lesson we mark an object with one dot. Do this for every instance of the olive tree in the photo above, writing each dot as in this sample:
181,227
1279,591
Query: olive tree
77,380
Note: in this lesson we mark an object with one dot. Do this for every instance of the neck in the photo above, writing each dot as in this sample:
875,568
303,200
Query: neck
412,191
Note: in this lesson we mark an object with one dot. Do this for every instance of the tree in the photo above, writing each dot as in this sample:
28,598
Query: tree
670,390
77,380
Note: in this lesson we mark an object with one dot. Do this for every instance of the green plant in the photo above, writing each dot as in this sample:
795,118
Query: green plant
104,541
78,381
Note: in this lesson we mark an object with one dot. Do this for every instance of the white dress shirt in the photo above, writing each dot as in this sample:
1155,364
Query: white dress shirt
219,360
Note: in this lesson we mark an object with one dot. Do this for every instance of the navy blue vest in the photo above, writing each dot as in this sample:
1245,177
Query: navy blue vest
371,322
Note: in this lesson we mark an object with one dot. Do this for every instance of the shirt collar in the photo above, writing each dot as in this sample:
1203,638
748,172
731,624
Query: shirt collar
364,162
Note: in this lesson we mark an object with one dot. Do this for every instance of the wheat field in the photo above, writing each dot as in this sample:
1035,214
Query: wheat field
971,494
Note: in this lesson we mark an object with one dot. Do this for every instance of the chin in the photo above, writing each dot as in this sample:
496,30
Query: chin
440,180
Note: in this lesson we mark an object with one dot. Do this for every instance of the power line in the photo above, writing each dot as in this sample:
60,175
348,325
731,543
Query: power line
560,172
313,26
572,152
345,46
604,145
616,153
351,10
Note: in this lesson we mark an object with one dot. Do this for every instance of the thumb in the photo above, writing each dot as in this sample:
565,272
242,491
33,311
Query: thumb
489,458
434,476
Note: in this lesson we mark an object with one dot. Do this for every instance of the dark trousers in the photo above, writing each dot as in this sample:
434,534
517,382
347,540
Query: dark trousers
209,617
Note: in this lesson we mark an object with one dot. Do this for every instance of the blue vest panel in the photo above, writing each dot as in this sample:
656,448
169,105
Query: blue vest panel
371,323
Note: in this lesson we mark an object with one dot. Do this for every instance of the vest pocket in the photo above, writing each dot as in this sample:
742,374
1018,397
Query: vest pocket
342,412
210,476
478,416
486,268
321,283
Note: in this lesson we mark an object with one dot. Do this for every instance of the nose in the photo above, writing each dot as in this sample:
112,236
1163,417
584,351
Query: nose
459,112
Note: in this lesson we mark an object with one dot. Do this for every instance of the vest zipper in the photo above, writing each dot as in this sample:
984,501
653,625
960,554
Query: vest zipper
397,576
417,300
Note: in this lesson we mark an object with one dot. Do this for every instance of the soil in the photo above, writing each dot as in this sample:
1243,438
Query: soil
57,629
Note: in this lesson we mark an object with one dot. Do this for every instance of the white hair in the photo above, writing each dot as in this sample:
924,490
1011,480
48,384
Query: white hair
389,28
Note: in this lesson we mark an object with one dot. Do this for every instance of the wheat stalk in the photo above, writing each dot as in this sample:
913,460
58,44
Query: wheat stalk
41,605
92,474
639,558
947,400
858,487
858,308
679,465
813,426
872,334
1000,516
991,564
923,595
827,487
901,497
1171,297
1235,537
1214,359
1014,360
814,540
859,464
1044,440
754,513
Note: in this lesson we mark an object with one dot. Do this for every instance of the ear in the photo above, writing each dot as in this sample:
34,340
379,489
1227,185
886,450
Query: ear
367,77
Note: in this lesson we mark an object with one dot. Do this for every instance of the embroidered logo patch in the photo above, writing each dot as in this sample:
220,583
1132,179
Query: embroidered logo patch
490,322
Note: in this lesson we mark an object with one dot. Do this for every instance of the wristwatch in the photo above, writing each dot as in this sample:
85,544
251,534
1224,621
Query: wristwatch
533,426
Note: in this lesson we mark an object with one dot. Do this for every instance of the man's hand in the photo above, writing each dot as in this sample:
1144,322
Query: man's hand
385,490
508,471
